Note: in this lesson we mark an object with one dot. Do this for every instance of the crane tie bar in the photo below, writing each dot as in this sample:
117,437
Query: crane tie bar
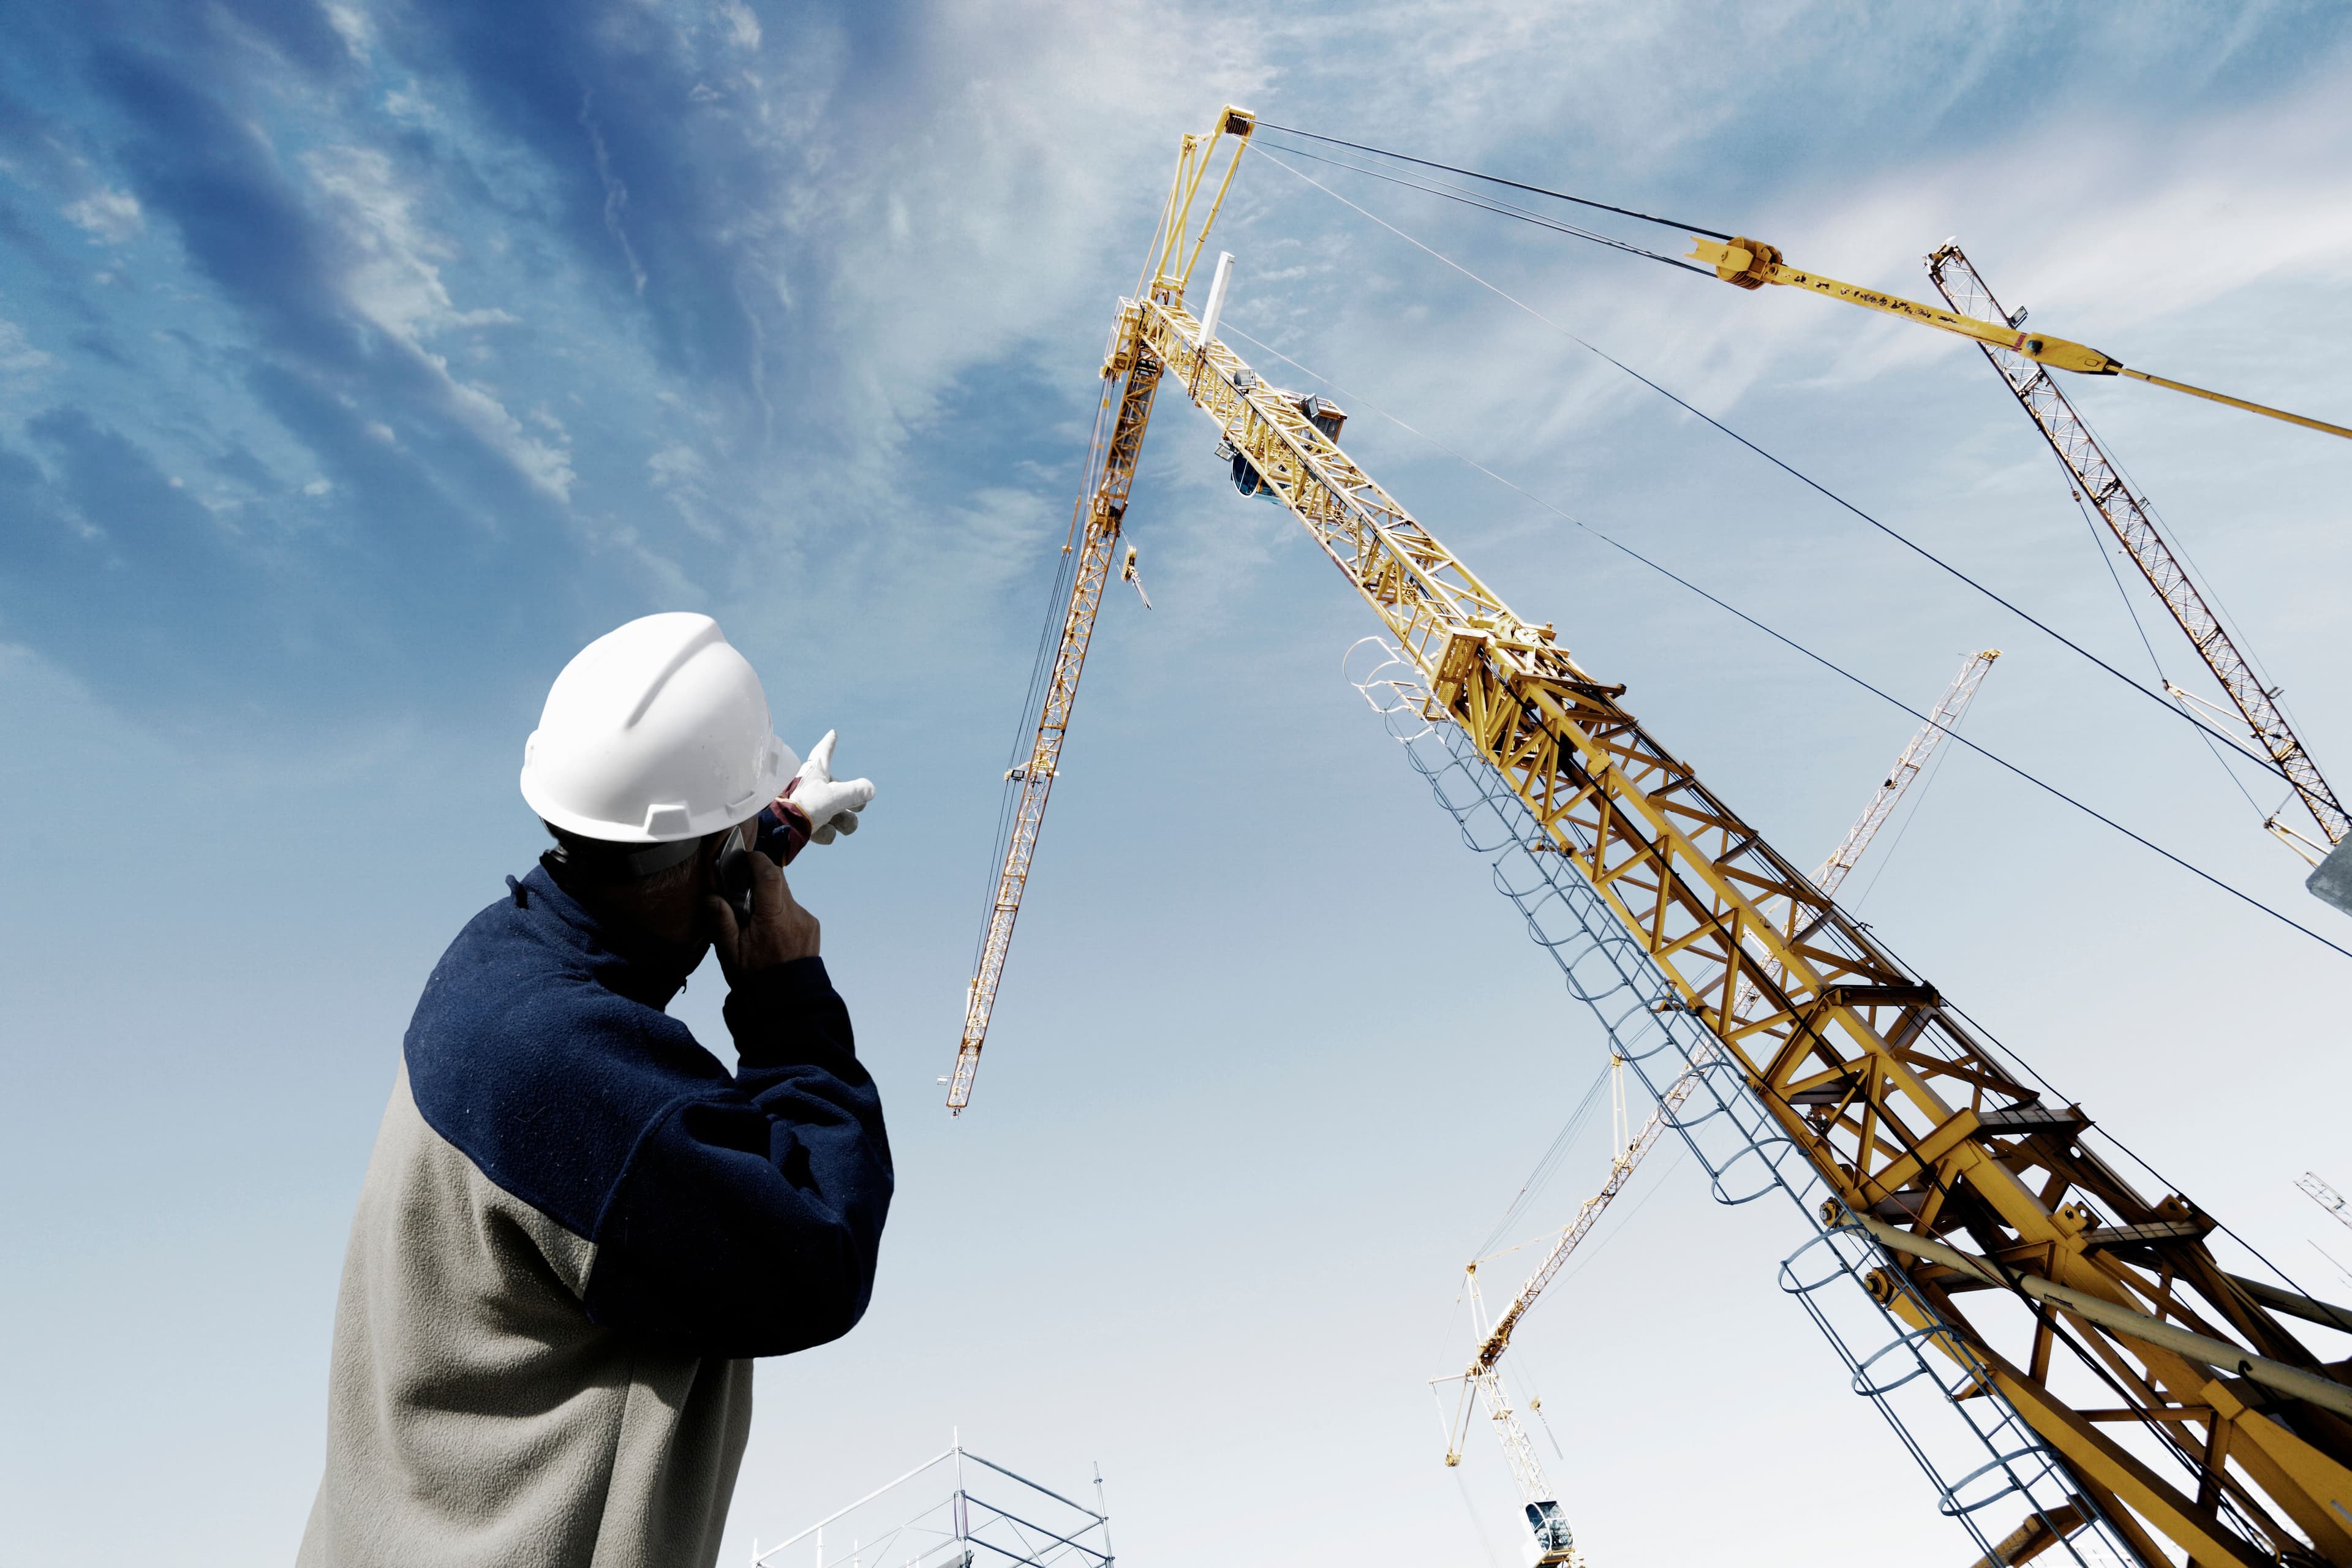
1750,264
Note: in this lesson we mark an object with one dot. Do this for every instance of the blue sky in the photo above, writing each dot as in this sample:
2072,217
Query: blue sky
360,362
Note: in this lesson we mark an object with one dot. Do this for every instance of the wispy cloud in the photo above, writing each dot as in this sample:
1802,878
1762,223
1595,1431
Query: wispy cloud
17,355
392,280
683,296
108,214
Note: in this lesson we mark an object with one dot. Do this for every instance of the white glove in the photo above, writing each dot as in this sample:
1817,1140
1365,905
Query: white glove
832,805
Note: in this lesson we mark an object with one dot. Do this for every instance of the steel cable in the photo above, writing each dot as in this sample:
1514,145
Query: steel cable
1788,468
1495,179
1825,662
1504,209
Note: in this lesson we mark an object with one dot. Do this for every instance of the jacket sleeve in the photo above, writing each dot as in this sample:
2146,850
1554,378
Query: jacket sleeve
747,1222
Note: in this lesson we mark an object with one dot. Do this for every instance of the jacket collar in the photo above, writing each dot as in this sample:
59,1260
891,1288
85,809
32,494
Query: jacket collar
645,973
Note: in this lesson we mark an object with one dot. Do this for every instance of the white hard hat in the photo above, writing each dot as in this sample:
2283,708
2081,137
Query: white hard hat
655,731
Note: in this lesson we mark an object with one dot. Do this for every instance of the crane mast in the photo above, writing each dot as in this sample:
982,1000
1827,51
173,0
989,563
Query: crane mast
2184,1415
2097,483
1554,1541
1485,1371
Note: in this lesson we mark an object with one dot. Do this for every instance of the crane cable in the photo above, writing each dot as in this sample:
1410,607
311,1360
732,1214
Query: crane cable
1496,179
1763,263
1507,209
1802,478
1546,1167
1825,662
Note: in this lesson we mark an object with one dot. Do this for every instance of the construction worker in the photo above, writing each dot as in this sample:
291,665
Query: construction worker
578,1225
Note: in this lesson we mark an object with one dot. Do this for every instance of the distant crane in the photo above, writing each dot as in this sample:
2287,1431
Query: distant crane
1555,1542
2326,1197
1945,716
2096,482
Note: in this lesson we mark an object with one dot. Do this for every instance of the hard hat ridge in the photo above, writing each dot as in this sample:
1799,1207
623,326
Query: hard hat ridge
658,730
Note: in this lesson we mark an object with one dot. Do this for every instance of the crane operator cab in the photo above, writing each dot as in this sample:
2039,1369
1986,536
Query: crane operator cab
1321,412
1554,1541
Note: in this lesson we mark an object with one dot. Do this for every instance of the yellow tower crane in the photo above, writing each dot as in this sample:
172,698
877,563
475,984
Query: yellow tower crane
2116,1378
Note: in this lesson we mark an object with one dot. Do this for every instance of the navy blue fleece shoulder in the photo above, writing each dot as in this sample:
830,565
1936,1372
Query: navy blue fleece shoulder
734,1214
522,1055
789,1183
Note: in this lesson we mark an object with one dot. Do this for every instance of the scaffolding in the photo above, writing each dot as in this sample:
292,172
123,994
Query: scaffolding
912,1522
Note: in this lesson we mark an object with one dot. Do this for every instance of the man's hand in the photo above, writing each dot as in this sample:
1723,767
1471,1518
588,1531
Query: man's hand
779,931
832,805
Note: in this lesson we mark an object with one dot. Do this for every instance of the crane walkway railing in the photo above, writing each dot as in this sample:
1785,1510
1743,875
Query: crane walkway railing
1990,1471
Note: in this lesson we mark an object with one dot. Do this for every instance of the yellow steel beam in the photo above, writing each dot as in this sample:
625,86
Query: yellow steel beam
1752,264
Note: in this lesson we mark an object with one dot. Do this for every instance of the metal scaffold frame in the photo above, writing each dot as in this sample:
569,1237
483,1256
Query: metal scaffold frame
886,1528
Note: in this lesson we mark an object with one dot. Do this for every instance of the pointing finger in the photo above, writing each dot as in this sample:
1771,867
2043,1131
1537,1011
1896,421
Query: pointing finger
820,757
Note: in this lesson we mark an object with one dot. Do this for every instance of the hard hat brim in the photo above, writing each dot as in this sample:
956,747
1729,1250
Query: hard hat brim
665,823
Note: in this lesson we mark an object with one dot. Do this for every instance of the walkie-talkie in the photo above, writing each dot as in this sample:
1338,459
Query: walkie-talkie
778,832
